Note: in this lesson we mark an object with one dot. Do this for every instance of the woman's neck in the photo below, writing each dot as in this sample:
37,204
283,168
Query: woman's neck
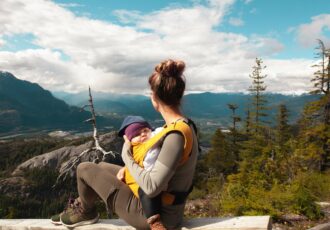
170,114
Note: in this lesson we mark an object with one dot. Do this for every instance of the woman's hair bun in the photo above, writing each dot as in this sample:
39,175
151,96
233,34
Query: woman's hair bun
170,68
168,82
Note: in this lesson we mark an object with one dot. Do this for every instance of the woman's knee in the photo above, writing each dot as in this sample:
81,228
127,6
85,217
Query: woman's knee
84,167
103,164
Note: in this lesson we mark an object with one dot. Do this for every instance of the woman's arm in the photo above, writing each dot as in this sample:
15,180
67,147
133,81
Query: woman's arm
154,181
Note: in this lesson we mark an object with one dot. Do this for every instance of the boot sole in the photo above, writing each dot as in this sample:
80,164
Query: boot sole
56,222
85,222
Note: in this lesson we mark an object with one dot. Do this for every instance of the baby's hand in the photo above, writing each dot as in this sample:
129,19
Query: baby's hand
121,174
126,139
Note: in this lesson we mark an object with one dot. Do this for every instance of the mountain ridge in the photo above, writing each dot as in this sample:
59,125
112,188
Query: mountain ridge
25,106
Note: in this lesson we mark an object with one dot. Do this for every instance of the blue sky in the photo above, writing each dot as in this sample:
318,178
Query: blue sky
273,18
66,45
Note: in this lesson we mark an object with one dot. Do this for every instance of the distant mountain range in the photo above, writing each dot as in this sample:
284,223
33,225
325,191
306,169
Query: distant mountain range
200,106
25,106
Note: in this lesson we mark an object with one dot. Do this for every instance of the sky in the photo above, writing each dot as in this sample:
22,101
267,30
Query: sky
114,45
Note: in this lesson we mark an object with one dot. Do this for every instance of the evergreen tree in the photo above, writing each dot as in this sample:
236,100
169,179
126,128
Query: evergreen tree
234,134
283,128
314,136
220,158
258,99
321,77
282,151
248,122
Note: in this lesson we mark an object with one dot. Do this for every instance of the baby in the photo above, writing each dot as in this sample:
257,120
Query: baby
137,130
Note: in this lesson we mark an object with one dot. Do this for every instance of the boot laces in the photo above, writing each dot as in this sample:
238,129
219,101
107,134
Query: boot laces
69,204
77,208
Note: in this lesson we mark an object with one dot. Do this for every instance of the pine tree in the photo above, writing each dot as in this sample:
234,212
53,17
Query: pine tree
220,157
321,77
282,150
258,99
234,134
283,128
248,122
314,134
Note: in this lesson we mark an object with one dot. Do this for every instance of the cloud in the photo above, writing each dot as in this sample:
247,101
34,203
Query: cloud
263,46
70,5
309,32
289,76
236,22
120,57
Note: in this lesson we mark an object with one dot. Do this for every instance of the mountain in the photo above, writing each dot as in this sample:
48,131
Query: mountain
119,104
27,106
207,105
81,97
215,105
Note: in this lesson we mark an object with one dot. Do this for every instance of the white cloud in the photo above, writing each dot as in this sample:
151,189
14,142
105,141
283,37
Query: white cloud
70,5
263,46
236,21
289,76
116,58
309,32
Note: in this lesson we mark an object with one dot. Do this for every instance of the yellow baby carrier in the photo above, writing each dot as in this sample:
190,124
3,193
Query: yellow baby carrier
140,149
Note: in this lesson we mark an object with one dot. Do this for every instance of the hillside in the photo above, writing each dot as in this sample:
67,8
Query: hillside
27,106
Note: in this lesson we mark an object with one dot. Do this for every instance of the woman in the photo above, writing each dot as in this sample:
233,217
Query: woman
171,175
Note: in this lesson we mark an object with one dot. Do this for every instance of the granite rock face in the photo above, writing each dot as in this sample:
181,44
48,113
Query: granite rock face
57,158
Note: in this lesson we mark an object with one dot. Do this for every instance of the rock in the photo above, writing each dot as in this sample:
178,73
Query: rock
293,217
325,226
55,159
15,186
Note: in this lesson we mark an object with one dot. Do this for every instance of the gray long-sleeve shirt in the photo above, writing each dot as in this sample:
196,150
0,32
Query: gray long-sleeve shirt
166,173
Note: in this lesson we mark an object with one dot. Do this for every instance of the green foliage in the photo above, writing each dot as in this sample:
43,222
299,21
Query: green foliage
39,199
256,199
220,158
279,167
197,193
304,203
283,128
258,107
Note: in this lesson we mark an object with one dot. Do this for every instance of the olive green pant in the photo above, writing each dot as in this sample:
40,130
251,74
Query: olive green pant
99,180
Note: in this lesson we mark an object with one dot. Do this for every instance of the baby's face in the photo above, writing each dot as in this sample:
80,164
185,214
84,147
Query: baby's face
143,135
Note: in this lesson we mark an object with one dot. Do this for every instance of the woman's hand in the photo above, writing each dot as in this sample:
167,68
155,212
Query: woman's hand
126,153
121,174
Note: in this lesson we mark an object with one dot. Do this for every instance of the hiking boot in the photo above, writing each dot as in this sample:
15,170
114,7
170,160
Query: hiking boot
55,219
155,223
77,216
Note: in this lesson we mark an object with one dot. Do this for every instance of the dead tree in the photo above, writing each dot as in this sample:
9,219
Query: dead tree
95,151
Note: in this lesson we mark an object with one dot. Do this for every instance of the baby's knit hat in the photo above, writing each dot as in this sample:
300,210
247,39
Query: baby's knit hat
134,129
130,120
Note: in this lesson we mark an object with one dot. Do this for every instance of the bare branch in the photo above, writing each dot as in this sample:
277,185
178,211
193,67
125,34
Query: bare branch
73,163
